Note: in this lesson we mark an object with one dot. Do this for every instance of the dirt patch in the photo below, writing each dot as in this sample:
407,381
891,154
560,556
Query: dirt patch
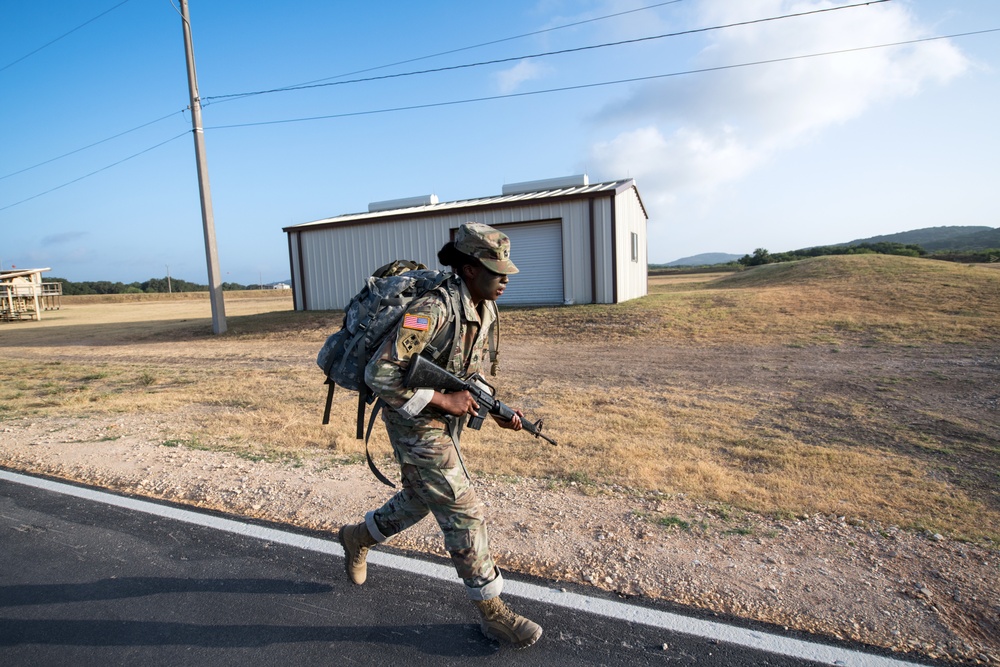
910,590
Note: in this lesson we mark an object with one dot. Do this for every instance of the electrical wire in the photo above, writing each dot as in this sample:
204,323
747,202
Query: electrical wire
105,168
514,95
465,48
96,143
599,84
482,44
488,98
208,100
48,44
401,62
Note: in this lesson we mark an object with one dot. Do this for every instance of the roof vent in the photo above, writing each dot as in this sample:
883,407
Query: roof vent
546,184
408,202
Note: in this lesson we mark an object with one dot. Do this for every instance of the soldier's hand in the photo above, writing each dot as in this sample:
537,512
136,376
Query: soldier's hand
515,422
458,403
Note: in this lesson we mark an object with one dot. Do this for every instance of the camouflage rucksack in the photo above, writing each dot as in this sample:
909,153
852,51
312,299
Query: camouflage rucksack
372,315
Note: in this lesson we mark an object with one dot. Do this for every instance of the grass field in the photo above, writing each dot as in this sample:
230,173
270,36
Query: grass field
862,386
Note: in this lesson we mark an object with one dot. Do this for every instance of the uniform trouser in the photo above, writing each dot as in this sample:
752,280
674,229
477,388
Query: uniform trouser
448,495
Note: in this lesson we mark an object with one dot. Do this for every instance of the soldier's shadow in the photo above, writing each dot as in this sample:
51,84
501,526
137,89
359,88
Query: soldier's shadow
95,629
442,640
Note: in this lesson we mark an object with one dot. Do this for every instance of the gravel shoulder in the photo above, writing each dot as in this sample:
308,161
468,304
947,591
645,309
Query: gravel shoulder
919,594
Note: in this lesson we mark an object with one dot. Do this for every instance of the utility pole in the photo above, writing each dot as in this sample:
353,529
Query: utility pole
169,289
208,221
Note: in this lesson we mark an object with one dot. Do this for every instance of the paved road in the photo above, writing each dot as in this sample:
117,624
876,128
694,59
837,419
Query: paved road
85,583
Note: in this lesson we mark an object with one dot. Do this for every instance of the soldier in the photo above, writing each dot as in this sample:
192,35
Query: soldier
424,425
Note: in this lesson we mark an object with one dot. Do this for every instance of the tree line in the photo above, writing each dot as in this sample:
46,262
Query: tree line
153,285
762,256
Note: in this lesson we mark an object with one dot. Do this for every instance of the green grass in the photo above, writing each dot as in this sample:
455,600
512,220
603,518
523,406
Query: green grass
674,522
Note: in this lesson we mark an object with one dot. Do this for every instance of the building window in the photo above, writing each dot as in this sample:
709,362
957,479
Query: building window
635,247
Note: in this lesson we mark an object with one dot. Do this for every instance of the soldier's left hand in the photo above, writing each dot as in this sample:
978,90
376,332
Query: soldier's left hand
514,424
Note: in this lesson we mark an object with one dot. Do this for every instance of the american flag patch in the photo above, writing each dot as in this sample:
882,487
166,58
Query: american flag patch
416,322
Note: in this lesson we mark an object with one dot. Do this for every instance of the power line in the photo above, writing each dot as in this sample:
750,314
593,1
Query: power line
48,44
96,143
464,48
599,84
433,55
541,55
482,44
514,95
105,168
464,66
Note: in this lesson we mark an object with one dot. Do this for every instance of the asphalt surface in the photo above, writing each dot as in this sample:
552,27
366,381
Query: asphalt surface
87,583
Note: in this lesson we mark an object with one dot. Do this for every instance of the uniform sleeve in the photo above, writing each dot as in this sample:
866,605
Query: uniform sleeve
422,321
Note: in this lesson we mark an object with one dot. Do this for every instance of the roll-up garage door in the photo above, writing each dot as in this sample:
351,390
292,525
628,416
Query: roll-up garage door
536,249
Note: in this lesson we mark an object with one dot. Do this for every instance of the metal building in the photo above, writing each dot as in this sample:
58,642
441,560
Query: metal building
574,242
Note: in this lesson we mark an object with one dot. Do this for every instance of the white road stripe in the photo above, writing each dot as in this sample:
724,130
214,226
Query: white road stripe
754,639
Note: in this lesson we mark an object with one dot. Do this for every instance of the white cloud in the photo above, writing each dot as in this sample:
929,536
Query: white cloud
688,160
699,131
511,79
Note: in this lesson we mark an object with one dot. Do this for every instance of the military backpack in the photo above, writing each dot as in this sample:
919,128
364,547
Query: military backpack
371,316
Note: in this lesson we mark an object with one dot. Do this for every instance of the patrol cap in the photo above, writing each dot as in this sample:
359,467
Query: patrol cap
489,246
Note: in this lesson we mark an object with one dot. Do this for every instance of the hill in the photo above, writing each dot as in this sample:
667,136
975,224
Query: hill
981,240
892,281
704,259
953,237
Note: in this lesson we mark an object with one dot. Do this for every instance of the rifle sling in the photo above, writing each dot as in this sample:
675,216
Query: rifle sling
329,401
371,464
494,340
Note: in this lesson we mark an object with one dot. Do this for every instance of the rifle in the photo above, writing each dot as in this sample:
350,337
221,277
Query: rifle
426,374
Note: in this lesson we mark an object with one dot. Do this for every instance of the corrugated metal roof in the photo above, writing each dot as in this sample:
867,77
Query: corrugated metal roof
575,192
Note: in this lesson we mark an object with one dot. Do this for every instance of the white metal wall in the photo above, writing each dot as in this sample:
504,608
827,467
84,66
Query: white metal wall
632,273
337,261
604,281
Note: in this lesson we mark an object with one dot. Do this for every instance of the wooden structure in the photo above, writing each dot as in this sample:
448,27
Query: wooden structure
23,295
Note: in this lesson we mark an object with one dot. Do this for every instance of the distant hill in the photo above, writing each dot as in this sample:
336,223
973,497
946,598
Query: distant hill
956,238
988,238
941,238
705,259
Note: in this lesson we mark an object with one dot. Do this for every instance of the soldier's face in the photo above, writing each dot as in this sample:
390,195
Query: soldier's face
483,284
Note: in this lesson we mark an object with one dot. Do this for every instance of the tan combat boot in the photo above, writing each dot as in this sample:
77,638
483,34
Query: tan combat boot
356,539
501,623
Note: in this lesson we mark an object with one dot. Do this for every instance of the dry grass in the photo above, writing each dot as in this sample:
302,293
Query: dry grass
256,391
697,443
823,300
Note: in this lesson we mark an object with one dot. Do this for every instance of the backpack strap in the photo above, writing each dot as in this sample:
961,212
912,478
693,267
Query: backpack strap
494,340
362,388
436,348
456,315
371,464
329,400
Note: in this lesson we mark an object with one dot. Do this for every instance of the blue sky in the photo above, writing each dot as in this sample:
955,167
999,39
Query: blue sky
799,152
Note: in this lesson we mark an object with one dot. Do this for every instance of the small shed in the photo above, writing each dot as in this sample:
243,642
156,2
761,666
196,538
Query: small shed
23,295
573,241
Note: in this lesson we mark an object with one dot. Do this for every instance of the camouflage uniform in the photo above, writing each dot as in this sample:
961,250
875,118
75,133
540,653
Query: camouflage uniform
425,440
